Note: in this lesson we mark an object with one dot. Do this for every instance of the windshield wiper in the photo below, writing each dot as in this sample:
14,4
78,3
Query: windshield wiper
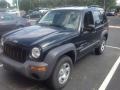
55,25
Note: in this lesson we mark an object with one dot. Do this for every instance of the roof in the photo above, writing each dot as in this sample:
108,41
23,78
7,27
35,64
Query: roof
78,8
71,8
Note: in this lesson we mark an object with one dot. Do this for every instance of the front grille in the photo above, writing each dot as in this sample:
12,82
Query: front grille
15,52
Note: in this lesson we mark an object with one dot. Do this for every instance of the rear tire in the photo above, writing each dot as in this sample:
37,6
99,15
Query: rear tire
61,73
100,49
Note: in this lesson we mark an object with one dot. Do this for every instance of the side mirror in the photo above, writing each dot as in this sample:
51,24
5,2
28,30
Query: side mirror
90,27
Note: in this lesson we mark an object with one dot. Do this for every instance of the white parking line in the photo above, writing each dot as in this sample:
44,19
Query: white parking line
1,65
113,47
110,75
118,27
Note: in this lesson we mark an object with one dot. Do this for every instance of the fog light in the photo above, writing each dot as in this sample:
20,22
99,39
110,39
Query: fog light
39,68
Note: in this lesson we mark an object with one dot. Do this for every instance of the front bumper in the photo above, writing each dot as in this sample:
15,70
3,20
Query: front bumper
24,68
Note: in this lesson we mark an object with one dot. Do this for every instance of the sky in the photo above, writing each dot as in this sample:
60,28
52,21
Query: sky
118,2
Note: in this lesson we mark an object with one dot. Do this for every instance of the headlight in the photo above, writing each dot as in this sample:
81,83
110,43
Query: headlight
2,41
36,52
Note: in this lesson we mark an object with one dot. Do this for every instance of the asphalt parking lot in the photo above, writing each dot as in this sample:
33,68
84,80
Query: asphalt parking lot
90,73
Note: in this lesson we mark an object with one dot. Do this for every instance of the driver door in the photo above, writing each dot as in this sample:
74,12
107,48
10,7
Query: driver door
86,37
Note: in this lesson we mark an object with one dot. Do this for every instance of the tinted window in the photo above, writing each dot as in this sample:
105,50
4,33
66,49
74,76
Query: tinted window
97,18
88,19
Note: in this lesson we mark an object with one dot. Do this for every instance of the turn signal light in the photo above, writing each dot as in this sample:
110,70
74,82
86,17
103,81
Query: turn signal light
39,68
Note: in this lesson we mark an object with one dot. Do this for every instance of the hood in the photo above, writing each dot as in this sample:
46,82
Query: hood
34,35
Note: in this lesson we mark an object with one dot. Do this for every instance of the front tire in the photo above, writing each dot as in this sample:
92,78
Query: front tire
61,73
100,49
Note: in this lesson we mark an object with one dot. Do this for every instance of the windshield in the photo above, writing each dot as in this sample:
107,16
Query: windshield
62,18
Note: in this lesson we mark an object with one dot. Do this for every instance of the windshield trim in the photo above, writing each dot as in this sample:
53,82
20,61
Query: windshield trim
80,23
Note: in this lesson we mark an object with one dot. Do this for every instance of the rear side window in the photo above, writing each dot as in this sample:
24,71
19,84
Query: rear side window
97,18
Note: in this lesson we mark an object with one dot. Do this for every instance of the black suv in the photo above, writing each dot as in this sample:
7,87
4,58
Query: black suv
48,50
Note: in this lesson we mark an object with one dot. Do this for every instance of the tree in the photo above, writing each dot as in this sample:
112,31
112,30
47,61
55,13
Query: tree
110,4
4,4
26,4
102,3
31,4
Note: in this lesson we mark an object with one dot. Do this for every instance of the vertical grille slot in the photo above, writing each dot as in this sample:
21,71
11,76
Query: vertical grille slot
15,52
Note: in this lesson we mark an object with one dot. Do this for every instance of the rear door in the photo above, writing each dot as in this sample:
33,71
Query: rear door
99,24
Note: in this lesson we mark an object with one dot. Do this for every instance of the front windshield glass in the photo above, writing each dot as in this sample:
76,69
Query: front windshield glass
62,18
